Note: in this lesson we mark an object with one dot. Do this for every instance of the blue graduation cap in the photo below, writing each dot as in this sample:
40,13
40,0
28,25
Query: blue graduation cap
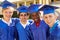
23,9
47,9
34,8
6,4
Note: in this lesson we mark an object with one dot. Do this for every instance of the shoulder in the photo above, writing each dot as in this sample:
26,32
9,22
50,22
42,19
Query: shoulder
43,22
30,21
1,23
15,19
0,20
58,24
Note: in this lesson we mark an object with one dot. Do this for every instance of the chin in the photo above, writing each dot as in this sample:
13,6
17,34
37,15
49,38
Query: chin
48,23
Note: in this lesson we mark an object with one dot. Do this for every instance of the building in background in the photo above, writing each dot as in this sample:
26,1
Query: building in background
29,2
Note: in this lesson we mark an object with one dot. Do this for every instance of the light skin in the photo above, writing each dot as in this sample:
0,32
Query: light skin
50,19
7,14
23,17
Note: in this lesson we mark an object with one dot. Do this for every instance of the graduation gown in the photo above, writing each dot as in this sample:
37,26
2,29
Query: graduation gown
7,32
55,31
24,33
39,33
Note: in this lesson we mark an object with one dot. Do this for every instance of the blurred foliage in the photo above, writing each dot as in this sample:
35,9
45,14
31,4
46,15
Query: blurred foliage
1,16
15,14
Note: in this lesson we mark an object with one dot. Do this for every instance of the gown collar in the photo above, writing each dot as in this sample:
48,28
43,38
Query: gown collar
8,23
54,26
24,25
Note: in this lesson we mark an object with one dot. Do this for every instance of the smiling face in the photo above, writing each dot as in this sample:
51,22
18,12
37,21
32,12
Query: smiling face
50,19
7,13
23,16
35,16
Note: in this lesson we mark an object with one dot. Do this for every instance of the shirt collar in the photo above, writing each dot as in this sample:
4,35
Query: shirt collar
10,21
54,26
24,25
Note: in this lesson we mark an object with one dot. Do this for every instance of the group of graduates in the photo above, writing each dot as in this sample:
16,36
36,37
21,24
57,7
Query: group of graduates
24,29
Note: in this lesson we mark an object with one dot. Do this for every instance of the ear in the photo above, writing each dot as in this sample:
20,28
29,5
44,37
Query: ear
56,16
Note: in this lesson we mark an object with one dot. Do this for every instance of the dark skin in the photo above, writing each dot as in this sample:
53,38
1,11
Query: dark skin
35,17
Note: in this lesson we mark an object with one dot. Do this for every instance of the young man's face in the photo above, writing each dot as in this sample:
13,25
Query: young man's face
7,13
50,18
35,16
23,16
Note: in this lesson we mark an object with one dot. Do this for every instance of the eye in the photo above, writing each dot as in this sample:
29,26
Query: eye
45,17
50,16
21,15
8,12
25,14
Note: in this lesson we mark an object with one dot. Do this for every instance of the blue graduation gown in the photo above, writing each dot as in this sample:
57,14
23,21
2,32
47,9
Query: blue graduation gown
24,33
7,32
39,33
55,31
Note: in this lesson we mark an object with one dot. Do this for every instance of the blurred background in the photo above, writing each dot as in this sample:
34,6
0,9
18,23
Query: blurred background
29,2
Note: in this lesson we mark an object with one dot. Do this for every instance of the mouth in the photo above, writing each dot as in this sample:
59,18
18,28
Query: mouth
48,22
35,19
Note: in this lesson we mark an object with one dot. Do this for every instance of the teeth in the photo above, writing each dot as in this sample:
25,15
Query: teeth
35,19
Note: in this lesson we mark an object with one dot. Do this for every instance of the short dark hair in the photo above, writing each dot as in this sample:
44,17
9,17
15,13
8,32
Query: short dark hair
21,12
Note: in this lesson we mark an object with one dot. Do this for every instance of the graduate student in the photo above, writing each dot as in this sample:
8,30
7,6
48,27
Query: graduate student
50,17
23,24
7,29
39,28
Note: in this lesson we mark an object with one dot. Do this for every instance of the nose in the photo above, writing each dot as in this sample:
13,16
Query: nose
48,19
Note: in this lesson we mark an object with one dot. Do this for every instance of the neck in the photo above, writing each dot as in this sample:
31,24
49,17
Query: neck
23,22
51,24
7,19
37,20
